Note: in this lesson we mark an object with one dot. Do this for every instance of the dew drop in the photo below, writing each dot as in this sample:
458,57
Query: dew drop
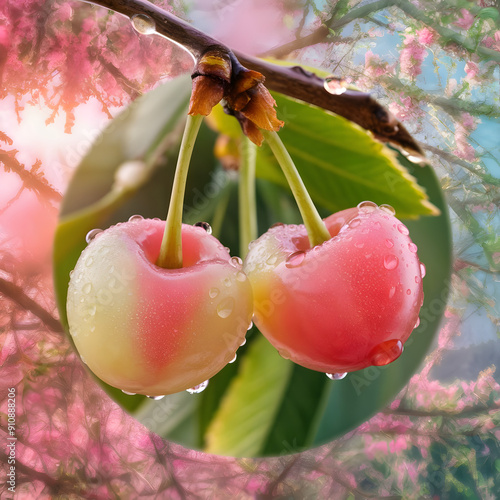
408,292
335,85
198,388
423,270
386,352
277,224
204,225
227,282
417,323
389,243
87,288
89,261
272,260
143,24
336,376
234,359
213,293
403,229
412,247
236,262
367,206
250,326
92,234
284,354
132,218
241,276
359,244
390,261
354,223
392,291
244,342
388,209
225,308
71,273
92,310
128,393
83,360
295,259
417,279
156,398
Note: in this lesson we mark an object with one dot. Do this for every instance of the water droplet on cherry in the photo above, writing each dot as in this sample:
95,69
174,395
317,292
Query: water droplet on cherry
198,388
417,279
367,206
388,209
250,326
423,270
225,308
204,225
272,260
234,359
244,341
89,261
354,223
408,292
295,259
284,354
417,323
392,291
412,247
156,398
71,273
359,244
213,293
241,276
143,24
336,376
92,234
236,262
386,352
403,229
87,288
132,218
390,261
92,310
128,393
389,243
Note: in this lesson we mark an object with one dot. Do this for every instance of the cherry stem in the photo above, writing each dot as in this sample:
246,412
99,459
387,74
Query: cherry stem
316,229
247,205
171,246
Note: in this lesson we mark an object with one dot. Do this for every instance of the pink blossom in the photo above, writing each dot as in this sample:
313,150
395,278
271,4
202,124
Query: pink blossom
398,444
374,448
465,21
412,56
472,70
463,129
426,36
407,108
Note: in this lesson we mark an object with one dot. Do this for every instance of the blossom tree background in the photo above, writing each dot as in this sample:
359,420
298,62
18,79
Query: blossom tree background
66,68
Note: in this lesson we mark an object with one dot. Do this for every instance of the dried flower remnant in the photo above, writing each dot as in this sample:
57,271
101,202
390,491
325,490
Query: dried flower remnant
218,76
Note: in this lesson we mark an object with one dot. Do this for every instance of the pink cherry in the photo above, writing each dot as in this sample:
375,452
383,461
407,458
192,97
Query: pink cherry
150,330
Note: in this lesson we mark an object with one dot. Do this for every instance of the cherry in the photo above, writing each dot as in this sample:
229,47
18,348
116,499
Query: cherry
151,330
342,305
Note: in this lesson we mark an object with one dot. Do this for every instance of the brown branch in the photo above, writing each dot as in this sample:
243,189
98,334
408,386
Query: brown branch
358,107
30,178
17,295
473,410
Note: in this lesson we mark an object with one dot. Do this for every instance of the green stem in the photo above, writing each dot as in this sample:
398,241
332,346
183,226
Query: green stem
316,229
171,246
246,196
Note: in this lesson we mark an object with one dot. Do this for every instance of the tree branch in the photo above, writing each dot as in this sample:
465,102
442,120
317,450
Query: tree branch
17,295
356,106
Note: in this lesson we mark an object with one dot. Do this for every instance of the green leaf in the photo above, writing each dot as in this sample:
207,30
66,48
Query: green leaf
341,164
489,13
244,419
